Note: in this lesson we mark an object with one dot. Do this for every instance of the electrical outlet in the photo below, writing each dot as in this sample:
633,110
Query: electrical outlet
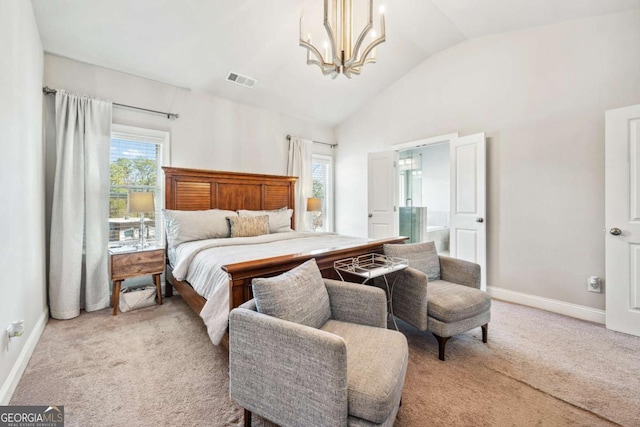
594,285
18,328
15,329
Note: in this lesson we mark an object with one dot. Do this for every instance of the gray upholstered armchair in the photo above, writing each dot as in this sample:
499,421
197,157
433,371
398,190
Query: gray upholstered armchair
308,351
438,293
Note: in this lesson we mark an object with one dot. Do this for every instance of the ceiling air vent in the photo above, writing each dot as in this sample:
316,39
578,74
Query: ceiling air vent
241,80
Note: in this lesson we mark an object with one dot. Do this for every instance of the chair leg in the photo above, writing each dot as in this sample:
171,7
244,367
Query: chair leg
247,418
485,332
442,341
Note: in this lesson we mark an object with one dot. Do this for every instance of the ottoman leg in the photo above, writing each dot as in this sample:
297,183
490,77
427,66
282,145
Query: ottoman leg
442,341
485,332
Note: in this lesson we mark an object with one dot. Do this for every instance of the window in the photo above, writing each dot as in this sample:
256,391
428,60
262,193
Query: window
136,158
322,175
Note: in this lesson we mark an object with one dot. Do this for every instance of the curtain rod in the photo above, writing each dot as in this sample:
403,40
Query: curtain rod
317,142
47,90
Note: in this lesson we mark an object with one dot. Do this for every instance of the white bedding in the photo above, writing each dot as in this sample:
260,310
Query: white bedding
200,263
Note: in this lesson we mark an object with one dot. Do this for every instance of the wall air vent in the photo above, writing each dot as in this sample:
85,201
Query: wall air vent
241,80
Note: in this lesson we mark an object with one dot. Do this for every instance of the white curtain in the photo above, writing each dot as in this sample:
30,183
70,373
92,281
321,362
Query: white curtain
78,269
300,158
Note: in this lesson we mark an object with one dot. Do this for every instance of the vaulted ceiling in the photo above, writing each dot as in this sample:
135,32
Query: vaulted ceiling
196,43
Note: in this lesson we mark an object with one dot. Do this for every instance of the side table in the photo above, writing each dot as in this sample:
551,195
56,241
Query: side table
133,263
370,266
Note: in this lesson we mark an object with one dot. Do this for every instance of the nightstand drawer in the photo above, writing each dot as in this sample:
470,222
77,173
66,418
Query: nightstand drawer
122,261
133,270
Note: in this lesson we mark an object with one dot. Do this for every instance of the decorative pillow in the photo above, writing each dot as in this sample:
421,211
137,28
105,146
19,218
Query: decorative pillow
186,226
249,226
298,295
421,256
279,219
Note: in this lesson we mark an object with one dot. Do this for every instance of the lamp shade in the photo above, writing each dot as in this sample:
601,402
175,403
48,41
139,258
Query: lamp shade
314,204
140,202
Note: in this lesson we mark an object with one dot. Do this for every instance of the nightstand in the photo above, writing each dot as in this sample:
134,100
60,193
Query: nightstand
134,263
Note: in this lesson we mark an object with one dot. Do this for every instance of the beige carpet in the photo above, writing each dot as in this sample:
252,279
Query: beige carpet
157,367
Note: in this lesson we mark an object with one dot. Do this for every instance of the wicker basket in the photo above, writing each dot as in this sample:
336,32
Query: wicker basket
134,298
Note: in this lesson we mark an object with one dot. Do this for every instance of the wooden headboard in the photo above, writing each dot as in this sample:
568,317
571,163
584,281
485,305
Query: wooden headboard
196,189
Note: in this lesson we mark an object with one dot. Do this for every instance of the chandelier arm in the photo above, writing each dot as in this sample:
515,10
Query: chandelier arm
312,49
369,61
326,68
367,28
329,69
332,42
358,45
363,59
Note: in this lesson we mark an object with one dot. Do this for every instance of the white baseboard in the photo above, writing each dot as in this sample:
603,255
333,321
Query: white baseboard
13,379
555,306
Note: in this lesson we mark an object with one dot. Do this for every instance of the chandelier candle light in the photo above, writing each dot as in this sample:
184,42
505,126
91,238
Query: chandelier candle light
340,54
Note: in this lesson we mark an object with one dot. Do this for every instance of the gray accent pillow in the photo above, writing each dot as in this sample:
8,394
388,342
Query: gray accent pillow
186,226
421,256
279,219
248,226
298,295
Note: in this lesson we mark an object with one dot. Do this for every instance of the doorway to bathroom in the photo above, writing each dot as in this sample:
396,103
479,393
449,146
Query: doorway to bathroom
455,215
424,194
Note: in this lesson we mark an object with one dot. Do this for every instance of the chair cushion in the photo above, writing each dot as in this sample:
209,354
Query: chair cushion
449,302
376,367
421,256
298,295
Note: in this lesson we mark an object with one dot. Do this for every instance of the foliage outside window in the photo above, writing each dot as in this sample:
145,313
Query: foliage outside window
135,165
322,176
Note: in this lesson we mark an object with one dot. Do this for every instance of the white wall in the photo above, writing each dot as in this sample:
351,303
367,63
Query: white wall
22,288
540,95
211,133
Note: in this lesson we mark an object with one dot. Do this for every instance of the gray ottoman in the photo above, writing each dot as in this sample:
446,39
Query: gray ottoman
453,309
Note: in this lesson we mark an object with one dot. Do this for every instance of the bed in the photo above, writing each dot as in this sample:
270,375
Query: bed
198,190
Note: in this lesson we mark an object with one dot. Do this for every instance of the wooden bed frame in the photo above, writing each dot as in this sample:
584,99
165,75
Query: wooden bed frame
195,189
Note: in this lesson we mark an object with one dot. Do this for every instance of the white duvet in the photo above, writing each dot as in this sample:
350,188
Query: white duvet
200,264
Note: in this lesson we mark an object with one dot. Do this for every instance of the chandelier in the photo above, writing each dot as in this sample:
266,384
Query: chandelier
340,54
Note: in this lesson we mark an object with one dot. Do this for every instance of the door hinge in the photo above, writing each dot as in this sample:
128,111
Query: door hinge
394,163
394,208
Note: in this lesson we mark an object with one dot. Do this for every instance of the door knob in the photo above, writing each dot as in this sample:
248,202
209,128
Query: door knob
479,219
615,231
370,215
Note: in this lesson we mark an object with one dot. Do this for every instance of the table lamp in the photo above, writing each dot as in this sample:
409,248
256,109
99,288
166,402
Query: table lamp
140,202
314,205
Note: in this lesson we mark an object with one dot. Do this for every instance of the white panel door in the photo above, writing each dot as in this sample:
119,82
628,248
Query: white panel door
622,219
382,185
468,238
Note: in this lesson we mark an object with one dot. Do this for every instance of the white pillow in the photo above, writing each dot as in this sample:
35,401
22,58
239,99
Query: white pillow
186,226
279,219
